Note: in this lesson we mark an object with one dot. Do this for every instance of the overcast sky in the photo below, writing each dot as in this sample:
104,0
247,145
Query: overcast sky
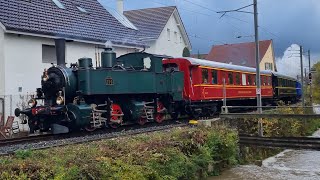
287,22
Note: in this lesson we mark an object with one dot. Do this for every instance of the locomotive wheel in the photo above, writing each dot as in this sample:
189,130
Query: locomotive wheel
116,116
142,121
174,115
90,128
160,116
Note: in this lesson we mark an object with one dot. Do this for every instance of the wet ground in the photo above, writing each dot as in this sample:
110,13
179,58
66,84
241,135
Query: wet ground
289,164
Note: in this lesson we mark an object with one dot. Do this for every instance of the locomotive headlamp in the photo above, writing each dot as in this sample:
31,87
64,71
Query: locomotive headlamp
32,103
45,76
59,100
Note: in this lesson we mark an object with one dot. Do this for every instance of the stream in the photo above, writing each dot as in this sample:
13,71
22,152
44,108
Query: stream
289,164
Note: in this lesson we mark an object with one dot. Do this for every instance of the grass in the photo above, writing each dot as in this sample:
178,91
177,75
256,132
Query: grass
187,153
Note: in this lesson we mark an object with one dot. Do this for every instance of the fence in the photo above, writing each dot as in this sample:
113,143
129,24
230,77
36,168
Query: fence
8,103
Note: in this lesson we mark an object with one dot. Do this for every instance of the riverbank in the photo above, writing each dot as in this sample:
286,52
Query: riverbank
182,153
289,164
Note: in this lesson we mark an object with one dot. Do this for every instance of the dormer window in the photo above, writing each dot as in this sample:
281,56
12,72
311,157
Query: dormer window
81,9
59,4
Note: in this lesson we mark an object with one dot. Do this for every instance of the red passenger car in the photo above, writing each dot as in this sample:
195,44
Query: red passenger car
205,82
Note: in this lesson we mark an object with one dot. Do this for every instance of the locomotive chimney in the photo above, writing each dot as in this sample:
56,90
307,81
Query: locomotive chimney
120,6
60,51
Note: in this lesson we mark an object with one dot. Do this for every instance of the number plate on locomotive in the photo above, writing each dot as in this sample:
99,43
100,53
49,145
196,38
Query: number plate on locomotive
109,81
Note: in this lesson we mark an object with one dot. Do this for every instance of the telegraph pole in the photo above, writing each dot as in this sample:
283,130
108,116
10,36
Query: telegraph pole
258,90
257,53
309,79
302,81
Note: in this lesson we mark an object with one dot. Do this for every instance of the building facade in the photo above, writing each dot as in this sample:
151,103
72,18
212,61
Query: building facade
161,29
243,54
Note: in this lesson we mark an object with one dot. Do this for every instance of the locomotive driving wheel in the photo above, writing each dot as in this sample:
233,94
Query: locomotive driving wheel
90,128
159,117
116,116
142,121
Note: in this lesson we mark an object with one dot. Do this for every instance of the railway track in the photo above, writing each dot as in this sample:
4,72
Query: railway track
282,142
10,146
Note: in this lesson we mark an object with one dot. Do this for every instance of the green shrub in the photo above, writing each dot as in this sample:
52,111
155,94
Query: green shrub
187,153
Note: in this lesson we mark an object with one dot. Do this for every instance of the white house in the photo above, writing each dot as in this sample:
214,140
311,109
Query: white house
161,29
28,30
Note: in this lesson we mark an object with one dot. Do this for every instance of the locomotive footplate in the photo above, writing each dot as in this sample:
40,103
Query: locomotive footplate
41,110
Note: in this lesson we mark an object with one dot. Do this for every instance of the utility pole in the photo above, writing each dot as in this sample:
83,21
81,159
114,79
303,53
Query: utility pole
258,79
257,51
311,103
302,81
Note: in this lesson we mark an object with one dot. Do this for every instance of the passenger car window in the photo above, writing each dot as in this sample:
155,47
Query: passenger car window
205,76
214,74
230,78
238,81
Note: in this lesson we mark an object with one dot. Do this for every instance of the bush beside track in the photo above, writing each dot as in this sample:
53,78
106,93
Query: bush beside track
182,153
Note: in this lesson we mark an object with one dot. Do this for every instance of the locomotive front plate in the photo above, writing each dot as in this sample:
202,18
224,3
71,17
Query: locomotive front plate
109,81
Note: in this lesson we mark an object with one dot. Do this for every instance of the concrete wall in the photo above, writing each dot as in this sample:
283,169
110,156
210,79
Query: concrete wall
168,46
268,58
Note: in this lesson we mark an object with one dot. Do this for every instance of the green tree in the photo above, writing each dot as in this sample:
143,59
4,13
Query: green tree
186,52
316,83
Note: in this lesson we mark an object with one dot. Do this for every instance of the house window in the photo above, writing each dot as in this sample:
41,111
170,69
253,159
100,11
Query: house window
81,9
268,66
168,34
205,76
214,74
175,37
49,54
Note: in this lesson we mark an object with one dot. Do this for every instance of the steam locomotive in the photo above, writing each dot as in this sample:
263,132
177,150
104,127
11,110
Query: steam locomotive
129,89
140,87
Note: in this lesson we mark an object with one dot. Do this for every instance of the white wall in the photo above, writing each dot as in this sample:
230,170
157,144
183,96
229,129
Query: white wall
23,60
21,65
2,75
164,46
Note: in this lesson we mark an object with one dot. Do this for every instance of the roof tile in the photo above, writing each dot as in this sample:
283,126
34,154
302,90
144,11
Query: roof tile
150,21
44,17
239,54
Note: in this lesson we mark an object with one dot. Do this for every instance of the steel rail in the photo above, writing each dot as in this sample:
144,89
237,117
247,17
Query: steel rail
282,142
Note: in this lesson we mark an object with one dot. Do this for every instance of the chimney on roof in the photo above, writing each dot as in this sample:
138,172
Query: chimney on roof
120,6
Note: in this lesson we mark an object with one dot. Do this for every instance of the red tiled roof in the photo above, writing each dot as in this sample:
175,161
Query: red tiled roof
202,56
239,54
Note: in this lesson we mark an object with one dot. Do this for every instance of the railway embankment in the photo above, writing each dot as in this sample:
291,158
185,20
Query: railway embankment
180,153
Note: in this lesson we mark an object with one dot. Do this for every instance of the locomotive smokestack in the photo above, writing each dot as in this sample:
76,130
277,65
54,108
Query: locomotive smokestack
60,51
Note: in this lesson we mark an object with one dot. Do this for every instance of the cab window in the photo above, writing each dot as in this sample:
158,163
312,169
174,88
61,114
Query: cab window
205,76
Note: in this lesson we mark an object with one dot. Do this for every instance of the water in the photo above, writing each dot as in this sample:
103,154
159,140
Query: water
289,164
